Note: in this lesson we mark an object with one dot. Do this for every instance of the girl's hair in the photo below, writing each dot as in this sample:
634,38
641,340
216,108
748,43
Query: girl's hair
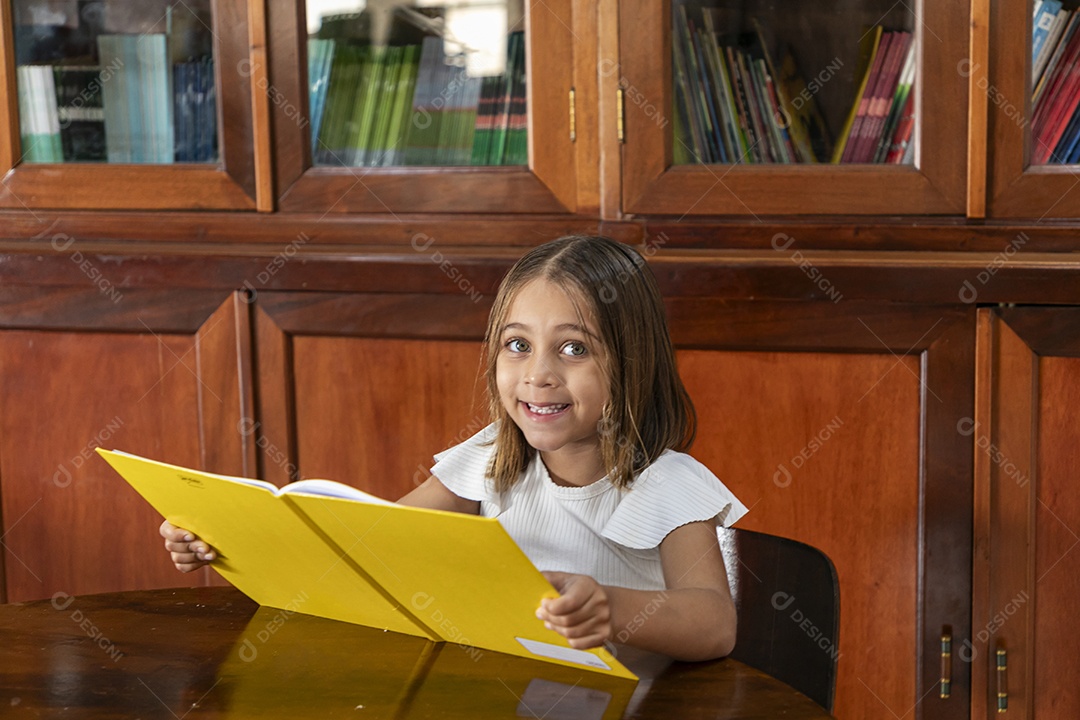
649,410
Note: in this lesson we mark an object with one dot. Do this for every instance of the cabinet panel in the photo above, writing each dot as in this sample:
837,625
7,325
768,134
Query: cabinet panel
71,524
789,433
935,184
544,182
146,159
1023,181
372,411
1026,573
364,389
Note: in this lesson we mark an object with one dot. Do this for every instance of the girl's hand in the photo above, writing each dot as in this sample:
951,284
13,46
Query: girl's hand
581,613
188,552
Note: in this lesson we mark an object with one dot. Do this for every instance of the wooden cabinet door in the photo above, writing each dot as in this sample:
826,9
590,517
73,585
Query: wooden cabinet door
228,184
554,39
1017,187
1027,513
934,184
835,425
365,388
160,373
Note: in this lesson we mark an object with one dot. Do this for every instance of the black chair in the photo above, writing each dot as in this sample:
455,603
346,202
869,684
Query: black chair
788,600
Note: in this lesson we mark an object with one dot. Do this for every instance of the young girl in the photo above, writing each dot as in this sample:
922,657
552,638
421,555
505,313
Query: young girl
583,462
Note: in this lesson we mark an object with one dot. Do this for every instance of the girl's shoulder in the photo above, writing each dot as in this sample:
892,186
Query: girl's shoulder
674,490
463,467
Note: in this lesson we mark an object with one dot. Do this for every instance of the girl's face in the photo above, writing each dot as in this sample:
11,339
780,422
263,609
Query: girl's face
550,370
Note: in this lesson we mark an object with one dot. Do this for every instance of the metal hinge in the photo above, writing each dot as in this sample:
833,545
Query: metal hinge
621,110
573,117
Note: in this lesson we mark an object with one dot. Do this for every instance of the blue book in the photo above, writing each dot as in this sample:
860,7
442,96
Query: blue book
1068,142
1045,13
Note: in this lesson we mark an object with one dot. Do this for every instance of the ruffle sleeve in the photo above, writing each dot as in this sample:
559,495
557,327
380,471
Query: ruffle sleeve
675,490
463,468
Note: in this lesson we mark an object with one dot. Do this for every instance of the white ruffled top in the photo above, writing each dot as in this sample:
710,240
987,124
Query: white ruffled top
598,530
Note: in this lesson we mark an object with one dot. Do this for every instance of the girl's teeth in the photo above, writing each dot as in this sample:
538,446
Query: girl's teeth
547,409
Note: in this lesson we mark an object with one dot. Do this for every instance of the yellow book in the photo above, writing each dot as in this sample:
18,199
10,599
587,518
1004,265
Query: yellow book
327,549
868,48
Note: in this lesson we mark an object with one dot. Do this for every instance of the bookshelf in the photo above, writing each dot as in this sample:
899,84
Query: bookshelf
343,280
932,183
120,99
1027,177
425,155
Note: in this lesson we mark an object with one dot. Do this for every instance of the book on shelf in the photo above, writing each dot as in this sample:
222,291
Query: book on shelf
887,65
900,105
1042,23
360,559
731,102
869,97
39,126
194,111
869,44
117,98
409,103
1055,125
80,112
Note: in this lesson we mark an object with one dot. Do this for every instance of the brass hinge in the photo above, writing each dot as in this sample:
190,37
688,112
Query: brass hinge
573,117
621,110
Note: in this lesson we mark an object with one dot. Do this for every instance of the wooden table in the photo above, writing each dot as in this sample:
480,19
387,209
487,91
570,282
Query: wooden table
212,653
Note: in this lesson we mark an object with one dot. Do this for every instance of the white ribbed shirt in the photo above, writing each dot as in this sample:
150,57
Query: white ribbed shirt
612,535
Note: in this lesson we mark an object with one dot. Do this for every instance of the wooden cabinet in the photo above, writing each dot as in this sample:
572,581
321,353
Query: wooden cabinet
935,184
1027,513
128,181
547,183
973,151
1018,186
151,372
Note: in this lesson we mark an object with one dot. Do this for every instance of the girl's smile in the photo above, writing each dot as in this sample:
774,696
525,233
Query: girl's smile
551,379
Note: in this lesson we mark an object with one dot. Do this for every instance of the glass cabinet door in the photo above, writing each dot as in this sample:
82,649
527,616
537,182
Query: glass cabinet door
117,105
779,107
1032,109
424,106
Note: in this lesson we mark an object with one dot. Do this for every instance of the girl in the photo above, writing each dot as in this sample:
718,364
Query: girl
583,463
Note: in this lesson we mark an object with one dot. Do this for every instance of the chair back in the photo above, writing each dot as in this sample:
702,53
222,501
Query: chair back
788,602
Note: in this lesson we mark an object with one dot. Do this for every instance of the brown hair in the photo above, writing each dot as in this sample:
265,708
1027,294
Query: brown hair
649,410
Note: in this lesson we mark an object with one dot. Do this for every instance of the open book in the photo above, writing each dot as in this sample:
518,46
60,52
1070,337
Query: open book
327,549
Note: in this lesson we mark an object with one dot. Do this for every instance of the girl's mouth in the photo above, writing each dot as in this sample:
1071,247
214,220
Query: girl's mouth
544,410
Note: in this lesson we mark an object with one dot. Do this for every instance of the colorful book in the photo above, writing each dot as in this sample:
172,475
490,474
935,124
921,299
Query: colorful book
357,558
1046,12
897,106
320,58
901,138
869,54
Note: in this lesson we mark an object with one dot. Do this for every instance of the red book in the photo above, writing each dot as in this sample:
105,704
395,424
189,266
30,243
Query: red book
1067,101
1051,93
904,130
880,104
864,104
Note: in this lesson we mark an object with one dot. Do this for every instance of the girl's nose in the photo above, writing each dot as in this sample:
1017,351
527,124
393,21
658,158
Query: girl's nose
540,372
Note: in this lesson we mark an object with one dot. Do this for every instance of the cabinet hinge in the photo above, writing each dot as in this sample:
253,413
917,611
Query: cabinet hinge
573,117
621,111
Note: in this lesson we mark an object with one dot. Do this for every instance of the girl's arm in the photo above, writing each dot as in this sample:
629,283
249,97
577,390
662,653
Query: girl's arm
432,494
693,619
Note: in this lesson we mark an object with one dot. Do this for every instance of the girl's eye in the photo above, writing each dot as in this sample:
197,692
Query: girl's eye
574,349
517,345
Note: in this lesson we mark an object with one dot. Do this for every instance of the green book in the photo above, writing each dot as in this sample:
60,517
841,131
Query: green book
383,98
403,99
